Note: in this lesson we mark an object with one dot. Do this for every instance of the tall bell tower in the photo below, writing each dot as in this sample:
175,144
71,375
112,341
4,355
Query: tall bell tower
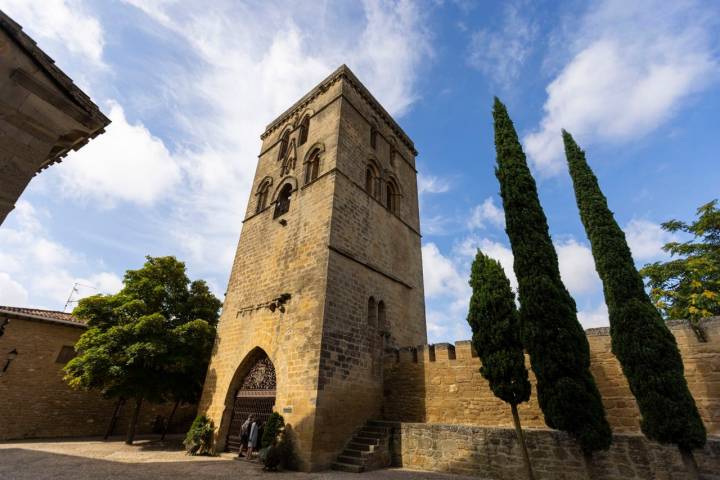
327,273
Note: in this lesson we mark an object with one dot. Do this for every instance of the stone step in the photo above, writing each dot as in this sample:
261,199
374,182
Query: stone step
366,440
351,452
374,429
384,423
365,447
346,467
350,460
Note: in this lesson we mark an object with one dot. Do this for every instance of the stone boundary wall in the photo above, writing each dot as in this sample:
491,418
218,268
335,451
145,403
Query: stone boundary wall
442,384
495,453
35,401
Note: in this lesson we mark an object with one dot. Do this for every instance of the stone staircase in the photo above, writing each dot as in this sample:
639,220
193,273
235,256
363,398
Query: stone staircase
369,449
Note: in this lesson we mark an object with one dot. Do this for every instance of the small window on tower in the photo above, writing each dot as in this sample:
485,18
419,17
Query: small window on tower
284,142
382,321
372,313
304,126
369,180
262,196
312,167
66,354
373,137
282,206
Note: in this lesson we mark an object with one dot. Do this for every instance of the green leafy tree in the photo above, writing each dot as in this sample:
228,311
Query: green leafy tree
557,345
146,342
688,285
494,321
641,341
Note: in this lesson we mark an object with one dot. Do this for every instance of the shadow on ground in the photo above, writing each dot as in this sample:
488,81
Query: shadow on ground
149,459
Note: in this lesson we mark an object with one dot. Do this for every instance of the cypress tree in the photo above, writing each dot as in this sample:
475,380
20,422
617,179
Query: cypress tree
494,321
557,345
641,341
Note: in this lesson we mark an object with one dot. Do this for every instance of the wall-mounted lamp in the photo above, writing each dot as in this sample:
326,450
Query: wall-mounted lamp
12,355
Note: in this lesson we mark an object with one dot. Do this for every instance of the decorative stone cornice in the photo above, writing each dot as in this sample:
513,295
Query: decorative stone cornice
342,73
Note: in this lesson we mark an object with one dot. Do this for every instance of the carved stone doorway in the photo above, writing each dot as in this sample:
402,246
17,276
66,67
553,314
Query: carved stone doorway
256,396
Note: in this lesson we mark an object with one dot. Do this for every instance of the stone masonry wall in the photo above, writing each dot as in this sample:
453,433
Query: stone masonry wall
374,252
36,402
495,453
442,383
274,258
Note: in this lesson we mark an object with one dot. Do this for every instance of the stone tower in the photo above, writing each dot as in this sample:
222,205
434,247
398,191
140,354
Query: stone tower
327,274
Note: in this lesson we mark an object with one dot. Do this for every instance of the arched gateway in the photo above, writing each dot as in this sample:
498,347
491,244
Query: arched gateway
255,395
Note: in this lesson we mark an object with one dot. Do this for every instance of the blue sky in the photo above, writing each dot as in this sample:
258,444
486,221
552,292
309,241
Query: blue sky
190,85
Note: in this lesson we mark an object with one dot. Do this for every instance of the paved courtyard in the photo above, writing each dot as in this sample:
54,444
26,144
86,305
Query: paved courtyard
91,459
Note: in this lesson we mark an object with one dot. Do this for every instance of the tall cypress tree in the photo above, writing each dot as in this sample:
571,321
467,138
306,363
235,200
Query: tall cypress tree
641,341
494,321
558,348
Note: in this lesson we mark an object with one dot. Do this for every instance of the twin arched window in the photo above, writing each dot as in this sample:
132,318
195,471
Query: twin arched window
374,186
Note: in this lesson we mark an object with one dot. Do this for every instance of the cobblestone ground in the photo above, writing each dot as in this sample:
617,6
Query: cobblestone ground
91,459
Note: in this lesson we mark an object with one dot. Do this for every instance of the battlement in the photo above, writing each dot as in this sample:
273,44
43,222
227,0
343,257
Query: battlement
441,383
463,350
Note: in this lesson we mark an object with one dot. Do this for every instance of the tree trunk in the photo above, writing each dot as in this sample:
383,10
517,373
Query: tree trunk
133,421
167,424
690,463
113,420
521,439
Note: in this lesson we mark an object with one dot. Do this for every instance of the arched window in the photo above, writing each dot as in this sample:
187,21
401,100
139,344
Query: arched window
282,205
391,196
262,196
372,313
372,180
369,180
284,142
312,167
382,324
304,126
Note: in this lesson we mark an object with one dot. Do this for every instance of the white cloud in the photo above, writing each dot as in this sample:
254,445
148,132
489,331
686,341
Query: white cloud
501,54
125,163
486,212
577,267
272,52
466,249
11,292
634,64
62,24
594,317
432,184
37,271
441,276
646,239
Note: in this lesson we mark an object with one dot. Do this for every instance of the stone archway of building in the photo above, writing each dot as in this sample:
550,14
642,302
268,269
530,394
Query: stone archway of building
252,392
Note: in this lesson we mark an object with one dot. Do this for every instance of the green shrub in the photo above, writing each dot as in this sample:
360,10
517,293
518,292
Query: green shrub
273,426
199,439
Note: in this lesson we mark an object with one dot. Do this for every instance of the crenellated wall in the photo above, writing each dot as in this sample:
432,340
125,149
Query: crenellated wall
442,383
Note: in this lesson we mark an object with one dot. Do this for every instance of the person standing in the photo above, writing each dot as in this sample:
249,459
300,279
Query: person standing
244,435
253,438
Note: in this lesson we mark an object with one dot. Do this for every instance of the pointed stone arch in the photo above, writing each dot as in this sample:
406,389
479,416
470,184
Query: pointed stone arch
252,390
